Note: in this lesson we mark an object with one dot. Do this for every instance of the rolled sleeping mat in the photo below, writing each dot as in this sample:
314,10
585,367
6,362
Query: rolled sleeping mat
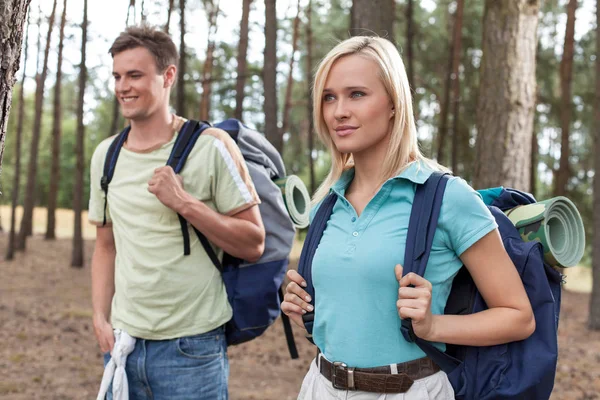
556,224
296,199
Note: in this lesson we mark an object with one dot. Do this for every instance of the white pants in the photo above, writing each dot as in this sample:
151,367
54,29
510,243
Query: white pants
316,387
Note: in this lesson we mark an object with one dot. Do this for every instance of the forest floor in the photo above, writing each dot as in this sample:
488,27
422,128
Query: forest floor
48,350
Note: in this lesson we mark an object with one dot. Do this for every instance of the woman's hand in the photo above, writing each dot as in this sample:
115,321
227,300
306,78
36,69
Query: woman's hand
414,302
296,300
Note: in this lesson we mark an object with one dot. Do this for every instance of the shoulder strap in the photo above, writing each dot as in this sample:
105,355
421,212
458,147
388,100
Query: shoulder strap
423,222
110,161
313,238
188,135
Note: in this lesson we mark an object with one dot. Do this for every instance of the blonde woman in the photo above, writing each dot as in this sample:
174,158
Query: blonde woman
363,114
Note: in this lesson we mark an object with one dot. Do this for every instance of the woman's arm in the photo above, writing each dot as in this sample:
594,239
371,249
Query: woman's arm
509,317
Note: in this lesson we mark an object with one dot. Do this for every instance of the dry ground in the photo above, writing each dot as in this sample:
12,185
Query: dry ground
48,349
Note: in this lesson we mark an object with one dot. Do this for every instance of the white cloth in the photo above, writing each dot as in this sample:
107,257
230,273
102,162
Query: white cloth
115,369
317,387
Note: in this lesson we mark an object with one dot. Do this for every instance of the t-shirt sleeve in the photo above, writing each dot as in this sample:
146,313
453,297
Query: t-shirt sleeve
464,217
232,187
96,204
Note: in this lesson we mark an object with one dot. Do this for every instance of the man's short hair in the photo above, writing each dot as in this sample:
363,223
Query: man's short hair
157,42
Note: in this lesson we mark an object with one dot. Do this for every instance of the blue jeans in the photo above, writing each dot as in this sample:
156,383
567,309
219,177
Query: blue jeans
188,368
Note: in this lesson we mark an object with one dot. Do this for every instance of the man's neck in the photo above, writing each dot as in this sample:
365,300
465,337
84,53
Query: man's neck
150,132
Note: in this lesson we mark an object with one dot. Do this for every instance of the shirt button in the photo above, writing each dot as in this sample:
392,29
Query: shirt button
355,234
353,219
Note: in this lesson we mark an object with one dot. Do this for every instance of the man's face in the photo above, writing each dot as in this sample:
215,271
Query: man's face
140,88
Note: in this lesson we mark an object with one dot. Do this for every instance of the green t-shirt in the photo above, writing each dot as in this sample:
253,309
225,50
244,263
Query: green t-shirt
159,292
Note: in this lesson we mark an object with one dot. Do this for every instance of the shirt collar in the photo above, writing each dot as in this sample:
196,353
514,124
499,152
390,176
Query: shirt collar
416,172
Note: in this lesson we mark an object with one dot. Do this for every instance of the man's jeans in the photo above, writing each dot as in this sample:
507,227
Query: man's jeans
188,368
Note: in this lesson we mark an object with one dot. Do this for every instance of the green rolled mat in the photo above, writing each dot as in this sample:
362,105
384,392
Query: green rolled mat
556,224
296,199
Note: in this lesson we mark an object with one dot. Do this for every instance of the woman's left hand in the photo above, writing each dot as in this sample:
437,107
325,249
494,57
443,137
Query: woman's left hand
414,302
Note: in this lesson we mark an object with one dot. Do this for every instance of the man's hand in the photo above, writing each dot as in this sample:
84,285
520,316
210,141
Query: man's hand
104,334
167,187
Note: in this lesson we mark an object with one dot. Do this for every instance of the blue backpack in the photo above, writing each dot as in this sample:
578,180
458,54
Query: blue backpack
516,370
253,290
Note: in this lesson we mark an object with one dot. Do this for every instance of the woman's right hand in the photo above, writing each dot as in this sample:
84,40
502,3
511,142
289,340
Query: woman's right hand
296,300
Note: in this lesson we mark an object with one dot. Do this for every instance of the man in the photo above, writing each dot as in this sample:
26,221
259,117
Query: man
142,283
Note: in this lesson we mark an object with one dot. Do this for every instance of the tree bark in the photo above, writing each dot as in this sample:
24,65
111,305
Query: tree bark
445,103
213,15
270,76
77,258
10,44
56,133
594,319
242,63
410,33
507,93
170,10
290,81
566,104
372,17
114,121
309,80
180,103
27,219
456,50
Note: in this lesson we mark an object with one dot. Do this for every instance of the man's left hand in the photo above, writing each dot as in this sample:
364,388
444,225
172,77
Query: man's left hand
167,187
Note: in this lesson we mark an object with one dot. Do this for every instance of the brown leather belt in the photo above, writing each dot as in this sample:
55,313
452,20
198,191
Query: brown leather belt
378,379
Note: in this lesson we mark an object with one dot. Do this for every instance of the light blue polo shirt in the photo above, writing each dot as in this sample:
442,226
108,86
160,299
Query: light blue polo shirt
356,320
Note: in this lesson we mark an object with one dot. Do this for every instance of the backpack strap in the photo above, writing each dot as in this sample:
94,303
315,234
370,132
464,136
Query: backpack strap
313,238
423,222
110,161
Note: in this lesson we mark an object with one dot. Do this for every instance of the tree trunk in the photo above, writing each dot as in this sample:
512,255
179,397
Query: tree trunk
169,16
309,79
535,150
56,133
131,5
445,103
456,49
270,76
410,33
180,103
143,12
9,64
27,219
213,15
242,63
290,82
507,93
594,321
566,103
372,17
114,121
77,258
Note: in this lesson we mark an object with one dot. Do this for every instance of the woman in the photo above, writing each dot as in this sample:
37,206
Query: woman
363,114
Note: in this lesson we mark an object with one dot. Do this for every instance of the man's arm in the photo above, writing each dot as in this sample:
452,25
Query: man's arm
103,286
241,235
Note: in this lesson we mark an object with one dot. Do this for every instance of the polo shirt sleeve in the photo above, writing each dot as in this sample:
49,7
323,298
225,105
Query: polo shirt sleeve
96,203
464,218
232,188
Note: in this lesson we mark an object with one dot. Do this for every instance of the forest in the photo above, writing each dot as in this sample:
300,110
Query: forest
506,93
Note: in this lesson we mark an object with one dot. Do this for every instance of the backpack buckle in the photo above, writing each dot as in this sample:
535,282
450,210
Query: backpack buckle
104,183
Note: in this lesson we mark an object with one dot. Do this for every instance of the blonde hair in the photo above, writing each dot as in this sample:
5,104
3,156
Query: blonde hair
403,147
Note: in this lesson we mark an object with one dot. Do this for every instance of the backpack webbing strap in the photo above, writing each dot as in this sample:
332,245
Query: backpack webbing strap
110,161
287,328
423,222
315,233
188,135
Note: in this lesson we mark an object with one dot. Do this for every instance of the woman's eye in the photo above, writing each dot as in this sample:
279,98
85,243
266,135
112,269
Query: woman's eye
357,94
328,97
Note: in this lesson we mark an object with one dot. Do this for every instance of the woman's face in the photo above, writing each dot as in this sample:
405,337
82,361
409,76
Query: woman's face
356,107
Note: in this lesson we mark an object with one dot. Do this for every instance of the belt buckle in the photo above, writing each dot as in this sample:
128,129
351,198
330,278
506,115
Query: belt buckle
340,366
